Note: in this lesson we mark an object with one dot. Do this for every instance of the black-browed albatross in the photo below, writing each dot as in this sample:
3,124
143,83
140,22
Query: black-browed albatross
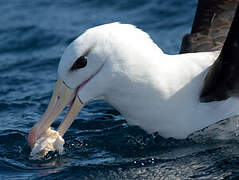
120,64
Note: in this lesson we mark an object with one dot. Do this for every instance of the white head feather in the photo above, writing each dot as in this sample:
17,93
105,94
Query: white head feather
156,91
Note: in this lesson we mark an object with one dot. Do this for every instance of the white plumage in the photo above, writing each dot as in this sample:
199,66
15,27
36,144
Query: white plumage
151,89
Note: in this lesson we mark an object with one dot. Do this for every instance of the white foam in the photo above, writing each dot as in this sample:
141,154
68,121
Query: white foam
49,141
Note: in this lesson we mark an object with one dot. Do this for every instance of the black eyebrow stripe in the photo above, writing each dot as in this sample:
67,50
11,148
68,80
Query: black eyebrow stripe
85,54
81,59
87,51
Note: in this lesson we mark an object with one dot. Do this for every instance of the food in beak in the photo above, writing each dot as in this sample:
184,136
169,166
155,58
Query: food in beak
62,96
50,140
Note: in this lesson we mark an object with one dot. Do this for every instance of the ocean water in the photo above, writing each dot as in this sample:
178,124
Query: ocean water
99,144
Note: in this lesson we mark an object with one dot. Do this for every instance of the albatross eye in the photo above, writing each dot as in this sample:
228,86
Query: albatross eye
81,62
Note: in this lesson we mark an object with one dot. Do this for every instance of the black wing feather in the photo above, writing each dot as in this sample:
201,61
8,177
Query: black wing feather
222,80
210,27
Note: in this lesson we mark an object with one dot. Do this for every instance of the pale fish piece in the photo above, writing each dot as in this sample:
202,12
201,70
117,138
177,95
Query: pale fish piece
49,141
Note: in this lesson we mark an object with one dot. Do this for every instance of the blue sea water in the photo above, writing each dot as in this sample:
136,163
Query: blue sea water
99,144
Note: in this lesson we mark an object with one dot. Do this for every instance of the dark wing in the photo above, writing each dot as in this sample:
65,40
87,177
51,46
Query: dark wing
210,27
222,80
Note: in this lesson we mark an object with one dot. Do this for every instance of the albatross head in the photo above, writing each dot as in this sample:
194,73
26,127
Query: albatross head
90,68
